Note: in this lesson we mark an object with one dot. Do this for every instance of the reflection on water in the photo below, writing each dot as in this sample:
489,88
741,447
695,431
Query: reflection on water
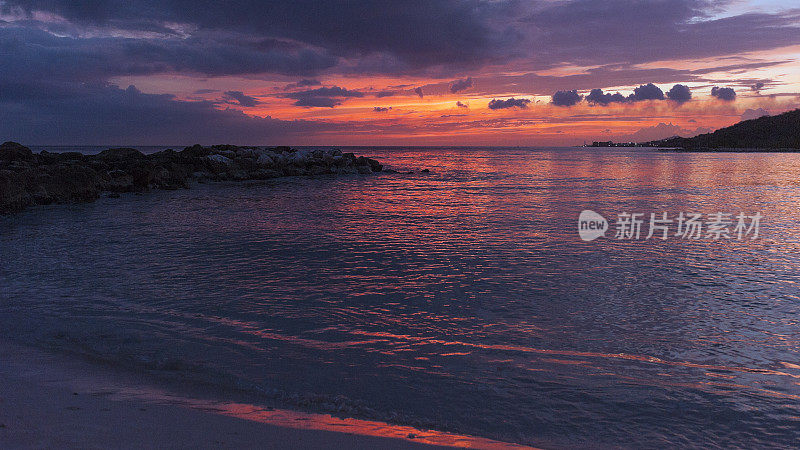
461,300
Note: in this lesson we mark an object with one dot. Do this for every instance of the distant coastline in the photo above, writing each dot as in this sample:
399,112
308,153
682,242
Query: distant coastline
779,133
768,134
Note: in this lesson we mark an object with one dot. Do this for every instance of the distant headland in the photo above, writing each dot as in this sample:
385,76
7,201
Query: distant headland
765,134
768,133
28,179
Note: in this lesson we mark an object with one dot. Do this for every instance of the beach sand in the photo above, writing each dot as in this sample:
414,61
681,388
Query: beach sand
55,401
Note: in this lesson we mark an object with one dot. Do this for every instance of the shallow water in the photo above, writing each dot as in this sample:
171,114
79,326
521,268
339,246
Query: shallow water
462,299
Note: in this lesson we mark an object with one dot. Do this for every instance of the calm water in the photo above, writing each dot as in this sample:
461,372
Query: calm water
462,299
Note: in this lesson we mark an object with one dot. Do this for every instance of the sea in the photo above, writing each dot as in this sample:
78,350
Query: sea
462,299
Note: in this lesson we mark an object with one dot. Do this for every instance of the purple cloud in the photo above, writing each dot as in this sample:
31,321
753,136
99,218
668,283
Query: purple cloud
647,91
566,98
509,103
460,85
597,97
724,94
242,99
80,113
324,97
679,93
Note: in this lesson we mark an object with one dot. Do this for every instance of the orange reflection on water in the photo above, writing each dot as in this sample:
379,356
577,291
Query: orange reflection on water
320,422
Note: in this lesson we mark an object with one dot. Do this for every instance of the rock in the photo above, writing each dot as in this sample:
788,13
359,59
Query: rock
68,156
28,179
374,165
46,157
195,151
14,196
118,154
11,151
72,183
265,160
118,181
219,159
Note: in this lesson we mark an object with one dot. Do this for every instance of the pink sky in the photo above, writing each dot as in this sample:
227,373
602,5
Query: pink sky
372,73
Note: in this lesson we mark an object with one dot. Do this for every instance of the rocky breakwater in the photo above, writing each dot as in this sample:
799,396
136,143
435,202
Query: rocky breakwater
27,178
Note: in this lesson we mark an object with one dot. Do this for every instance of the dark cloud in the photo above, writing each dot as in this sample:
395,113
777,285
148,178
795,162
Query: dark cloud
758,86
460,85
509,103
381,108
324,97
205,91
305,82
647,91
419,92
101,114
725,94
382,94
379,36
36,53
462,105
333,91
242,99
680,93
419,34
589,32
566,98
597,97
318,102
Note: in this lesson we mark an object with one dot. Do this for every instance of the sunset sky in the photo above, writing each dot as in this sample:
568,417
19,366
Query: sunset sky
415,72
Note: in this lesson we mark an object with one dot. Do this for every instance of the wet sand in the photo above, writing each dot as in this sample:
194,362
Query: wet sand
53,401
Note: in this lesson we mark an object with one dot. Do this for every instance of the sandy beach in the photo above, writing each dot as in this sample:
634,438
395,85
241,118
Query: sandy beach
51,401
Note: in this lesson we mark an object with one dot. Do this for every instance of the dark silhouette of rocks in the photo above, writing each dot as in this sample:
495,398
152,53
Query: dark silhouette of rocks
29,179
779,132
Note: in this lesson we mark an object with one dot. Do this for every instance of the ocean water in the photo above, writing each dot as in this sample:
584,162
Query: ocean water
462,299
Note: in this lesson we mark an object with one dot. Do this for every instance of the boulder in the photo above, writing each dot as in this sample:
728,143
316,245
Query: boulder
220,159
71,156
118,181
195,151
119,154
14,196
12,151
265,160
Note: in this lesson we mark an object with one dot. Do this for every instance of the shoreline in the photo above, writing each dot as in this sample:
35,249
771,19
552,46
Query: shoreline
51,400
